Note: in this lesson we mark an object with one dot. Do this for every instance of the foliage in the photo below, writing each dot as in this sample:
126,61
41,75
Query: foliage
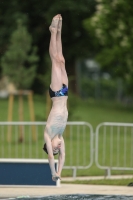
112,26
46,77
101,88
76,41
19,62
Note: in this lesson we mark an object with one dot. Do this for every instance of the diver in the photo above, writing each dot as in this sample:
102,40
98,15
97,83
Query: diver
58,90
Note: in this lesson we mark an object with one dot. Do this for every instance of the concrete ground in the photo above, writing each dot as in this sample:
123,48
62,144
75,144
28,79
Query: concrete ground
39,191
6,192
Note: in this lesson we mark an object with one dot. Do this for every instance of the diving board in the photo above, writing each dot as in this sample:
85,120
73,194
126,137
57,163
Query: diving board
26,172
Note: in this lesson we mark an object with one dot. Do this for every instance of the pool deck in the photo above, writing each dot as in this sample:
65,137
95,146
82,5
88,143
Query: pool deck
6,192
40,191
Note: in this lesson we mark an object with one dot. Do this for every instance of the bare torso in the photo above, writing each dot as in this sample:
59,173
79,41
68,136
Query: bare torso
57,118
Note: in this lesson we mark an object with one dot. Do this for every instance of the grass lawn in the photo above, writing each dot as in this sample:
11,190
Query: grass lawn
119,182
91,111
96,112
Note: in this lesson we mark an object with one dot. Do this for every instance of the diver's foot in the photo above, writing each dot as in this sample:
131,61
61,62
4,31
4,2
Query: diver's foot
54,24
60,23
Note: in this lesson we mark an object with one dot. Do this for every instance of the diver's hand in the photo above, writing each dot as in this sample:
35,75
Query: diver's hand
56,177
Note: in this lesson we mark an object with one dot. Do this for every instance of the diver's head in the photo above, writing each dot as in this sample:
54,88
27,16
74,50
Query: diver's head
56,145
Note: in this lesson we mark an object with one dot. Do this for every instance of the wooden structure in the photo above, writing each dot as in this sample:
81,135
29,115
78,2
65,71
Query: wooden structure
20,95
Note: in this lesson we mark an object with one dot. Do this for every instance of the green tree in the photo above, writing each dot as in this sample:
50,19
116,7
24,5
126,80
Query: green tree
111,27
76,40
19,62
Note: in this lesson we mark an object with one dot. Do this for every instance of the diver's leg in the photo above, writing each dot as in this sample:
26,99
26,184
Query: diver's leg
60,54
56,73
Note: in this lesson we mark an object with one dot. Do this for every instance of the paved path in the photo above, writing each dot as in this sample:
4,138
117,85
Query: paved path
64,189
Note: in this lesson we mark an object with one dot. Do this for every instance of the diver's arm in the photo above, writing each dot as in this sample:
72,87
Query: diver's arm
61,158
50,154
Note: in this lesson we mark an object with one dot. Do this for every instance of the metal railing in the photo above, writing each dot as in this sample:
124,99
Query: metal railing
80,152
25,140
114,146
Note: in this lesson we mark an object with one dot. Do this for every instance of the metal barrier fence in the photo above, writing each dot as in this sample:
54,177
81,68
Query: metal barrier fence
80,144
25,140
114,146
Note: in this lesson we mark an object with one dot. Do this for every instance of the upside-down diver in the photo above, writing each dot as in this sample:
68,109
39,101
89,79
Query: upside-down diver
58,90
